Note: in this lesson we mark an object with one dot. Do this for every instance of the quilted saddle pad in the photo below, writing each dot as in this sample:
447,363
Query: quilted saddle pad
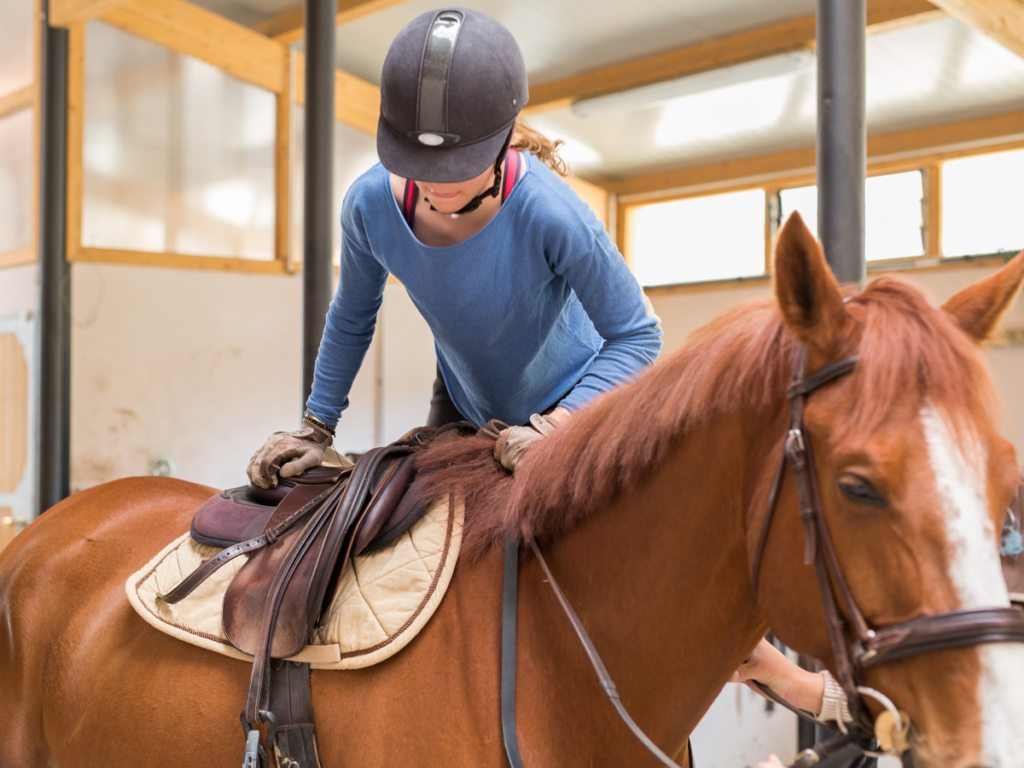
384,598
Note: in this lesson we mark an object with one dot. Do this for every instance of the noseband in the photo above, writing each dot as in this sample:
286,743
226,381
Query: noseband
870,647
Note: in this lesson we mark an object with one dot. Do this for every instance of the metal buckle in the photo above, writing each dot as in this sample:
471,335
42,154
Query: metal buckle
795,443
255,755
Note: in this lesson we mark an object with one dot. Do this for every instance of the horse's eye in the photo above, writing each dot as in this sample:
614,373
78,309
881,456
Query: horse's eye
860,491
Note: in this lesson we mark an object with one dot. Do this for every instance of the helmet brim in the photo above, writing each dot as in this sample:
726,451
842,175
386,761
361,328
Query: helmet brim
444,165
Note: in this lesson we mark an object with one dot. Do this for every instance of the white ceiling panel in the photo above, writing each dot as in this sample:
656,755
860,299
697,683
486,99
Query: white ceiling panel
567,37
917,76
928,74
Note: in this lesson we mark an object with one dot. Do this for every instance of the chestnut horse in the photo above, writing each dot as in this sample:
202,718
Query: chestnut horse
648,505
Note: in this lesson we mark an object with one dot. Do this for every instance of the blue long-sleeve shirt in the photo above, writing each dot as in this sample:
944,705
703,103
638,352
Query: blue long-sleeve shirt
537,308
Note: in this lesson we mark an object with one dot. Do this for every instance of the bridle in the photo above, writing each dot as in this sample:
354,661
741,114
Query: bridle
870,647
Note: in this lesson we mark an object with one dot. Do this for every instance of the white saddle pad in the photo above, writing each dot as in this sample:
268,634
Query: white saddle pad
383,599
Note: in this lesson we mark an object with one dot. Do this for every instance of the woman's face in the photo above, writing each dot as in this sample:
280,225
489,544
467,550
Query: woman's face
449,198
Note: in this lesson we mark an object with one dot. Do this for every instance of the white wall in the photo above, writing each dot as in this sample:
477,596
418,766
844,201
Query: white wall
18,290
196,365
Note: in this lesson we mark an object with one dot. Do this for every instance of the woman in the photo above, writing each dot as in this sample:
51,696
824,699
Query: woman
533,310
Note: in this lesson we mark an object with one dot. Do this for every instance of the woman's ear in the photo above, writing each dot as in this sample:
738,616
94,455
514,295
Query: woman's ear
978,307
807,291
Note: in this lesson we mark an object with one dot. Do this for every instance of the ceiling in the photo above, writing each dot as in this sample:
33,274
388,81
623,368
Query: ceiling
931,73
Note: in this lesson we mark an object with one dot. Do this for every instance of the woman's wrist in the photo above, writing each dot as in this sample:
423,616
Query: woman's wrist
808,690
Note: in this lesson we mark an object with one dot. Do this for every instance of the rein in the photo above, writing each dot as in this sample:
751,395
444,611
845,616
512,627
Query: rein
871,647
508,659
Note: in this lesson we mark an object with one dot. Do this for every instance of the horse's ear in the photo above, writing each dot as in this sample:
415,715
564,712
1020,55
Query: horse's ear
806,289
978,307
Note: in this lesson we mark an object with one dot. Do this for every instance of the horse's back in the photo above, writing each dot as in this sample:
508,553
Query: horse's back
85,682
62,598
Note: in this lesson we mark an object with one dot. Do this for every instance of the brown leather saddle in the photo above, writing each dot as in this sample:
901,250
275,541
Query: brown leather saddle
300,537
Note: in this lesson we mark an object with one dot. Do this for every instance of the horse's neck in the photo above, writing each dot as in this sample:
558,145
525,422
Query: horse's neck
660,578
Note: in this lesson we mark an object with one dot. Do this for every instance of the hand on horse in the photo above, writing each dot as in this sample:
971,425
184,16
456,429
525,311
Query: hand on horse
288,454
769,666
514,442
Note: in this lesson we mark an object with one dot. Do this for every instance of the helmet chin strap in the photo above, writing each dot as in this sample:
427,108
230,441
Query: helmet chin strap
491,191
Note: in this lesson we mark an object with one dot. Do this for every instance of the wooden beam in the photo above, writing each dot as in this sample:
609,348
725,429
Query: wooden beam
181,261
17,257
356,102
75,137
933,209
67,13
290,26
1002,20
891,148
189,29
283,169
17,100
724,52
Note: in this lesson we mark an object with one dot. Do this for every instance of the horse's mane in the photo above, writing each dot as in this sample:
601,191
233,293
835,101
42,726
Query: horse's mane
740,360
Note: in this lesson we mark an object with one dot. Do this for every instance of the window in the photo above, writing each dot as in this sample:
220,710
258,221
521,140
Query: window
699,239
17,44
355,153
16,181
893,214
178,156
983,204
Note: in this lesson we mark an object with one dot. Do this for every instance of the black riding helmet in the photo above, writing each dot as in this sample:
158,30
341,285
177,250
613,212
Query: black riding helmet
452,86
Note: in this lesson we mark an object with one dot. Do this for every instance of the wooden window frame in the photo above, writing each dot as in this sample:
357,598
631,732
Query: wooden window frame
930,164
12,103
247,55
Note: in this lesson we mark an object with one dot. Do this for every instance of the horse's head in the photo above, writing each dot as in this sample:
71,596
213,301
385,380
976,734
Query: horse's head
914,479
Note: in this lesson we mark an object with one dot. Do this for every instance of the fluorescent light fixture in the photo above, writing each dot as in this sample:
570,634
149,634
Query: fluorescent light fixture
654,95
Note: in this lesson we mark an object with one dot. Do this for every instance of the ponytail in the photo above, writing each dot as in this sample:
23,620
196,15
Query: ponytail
536,143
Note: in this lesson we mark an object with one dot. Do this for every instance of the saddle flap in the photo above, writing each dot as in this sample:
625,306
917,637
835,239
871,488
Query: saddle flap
279,590
386,498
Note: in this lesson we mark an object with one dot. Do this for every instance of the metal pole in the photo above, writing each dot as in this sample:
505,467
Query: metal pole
54,331
842,136
318,214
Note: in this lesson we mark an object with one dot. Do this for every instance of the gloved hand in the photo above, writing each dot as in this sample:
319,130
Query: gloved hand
514,442
289,454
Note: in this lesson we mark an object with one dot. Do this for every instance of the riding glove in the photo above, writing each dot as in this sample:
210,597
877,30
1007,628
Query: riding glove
288,454
514,442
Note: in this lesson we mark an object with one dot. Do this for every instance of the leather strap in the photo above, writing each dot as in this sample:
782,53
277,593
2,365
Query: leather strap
292,705
955,629
508,659
509,606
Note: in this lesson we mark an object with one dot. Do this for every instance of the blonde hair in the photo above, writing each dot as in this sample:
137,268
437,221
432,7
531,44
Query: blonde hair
536,143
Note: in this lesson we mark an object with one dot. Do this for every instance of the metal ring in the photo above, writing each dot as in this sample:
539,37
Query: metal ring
886,702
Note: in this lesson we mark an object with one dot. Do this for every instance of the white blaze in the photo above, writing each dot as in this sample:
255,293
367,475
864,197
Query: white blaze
977,576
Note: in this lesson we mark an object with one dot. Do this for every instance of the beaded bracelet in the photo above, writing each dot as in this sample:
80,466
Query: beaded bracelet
320,423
